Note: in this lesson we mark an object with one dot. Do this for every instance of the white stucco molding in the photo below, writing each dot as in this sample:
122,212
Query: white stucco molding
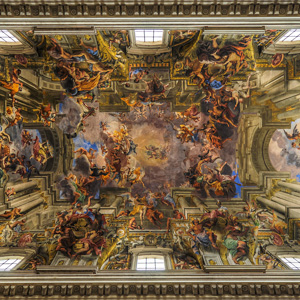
184,283
146,14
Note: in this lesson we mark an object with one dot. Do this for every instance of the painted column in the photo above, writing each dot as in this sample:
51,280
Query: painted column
24,186
281,206
29,202
283,202
114,207
117,202
296,194
289,197
274,205
293,186
183,203
295,113
197,202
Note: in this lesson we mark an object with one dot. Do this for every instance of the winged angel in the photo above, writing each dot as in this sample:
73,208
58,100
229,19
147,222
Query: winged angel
294,137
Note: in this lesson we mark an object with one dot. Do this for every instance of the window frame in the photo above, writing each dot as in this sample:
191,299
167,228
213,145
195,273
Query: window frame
157,259
292,33
148,48
11,36
149,43
151,251
290,264
26,255
19,259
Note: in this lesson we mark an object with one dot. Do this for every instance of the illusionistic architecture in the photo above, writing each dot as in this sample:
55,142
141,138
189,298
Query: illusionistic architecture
149,150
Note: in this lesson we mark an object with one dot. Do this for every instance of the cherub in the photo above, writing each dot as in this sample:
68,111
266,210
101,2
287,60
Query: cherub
151,151
190,113
185,133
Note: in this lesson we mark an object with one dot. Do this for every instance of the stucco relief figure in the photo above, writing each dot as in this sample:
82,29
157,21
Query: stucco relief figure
277,59
4,136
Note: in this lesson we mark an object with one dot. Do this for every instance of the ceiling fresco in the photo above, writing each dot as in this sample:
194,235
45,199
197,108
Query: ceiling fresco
146,134
284,150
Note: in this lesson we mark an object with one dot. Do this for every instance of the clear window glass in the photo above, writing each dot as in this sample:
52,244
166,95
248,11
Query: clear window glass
7,37
8,263
151,263
149,36
292,262
292,35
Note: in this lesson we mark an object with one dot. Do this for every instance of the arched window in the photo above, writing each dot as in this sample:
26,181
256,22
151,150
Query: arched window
150,263
9,263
